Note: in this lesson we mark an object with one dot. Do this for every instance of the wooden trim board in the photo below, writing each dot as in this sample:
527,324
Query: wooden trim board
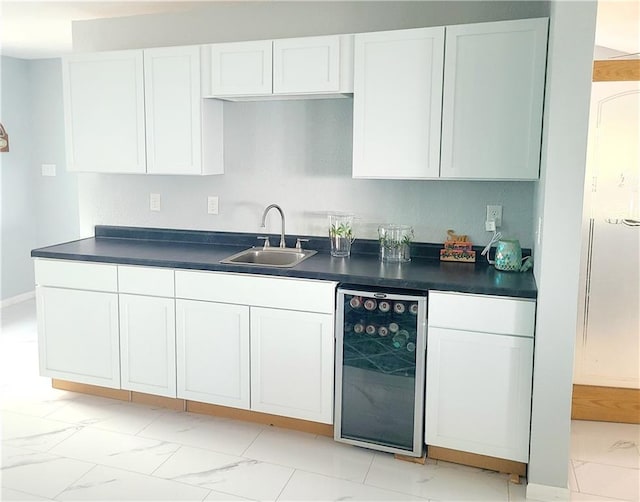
616,70
95,390
197,407
605,404
261,418
475,460
159,401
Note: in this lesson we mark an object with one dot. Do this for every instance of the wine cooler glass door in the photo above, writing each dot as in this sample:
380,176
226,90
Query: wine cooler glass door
380,361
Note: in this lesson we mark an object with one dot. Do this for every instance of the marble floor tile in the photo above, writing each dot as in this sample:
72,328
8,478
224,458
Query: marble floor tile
109,484
238,476
34,433
39,474
606,443
585,497
9,494
202,431
308,453
114,449
108,414
608,480
309,486
223,497
436,482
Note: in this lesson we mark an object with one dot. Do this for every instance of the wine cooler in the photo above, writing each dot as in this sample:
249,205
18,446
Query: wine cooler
380,370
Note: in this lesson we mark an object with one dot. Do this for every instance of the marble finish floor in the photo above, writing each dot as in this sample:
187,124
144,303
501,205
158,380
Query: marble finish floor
59,445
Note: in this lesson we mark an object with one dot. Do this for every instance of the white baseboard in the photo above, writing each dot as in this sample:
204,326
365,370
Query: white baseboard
545,493
17,299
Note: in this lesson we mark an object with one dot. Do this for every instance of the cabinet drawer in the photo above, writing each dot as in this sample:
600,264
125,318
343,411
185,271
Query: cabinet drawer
76,275
291,294
145,281
488,314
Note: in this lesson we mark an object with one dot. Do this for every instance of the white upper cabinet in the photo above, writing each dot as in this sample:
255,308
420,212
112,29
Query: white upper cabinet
279,68
397,101
494,76
241,68
141,112
173,126
313,65
104,112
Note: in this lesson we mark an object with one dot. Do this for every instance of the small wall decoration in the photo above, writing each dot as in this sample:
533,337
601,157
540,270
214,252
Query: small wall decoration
4,139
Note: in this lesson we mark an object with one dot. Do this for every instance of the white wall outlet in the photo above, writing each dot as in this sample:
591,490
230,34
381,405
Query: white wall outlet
490,226
48,169
154,202
212,204
494,213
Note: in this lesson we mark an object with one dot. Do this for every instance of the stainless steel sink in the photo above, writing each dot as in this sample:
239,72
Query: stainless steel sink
269,257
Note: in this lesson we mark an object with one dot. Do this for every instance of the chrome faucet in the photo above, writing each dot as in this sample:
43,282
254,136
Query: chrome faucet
264,217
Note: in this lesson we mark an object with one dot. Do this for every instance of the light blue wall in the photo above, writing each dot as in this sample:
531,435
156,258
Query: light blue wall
36,210
19,198
57,217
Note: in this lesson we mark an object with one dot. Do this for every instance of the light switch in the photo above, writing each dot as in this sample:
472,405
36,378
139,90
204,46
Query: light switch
212,204
48,169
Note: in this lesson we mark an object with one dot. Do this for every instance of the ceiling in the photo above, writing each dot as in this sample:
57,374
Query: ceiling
42,29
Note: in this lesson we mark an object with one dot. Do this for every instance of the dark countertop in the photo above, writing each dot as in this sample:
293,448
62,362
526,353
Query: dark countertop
199,250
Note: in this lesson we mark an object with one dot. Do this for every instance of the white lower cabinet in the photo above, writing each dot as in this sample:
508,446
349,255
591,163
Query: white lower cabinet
78,335
147,344
292,364
479,374
213,352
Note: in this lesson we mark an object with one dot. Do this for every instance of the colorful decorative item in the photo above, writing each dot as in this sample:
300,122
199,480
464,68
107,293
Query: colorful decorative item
4,139
508,255
457,248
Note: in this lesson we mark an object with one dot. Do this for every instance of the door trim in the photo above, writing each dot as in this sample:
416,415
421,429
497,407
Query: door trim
616,71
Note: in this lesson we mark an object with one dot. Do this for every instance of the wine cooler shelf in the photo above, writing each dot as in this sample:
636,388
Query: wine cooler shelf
380,335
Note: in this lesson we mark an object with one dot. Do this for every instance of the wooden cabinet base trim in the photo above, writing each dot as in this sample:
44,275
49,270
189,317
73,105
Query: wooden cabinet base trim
95,390
261,418
473,459
616,70
159,401
196,407
605,404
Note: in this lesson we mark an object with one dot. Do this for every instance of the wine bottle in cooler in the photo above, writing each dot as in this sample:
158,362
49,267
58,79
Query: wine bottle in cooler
399,307
384,306
355,302
413,308
370,304
393,328
383,331
400,339
371,329
358,328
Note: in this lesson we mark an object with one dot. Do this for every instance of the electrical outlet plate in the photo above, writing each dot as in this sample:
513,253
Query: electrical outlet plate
494,213
212,204
154,202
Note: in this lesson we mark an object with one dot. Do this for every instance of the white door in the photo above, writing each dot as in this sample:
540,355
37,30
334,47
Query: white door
241,68
303,65
78,336
397,100
292,364
104,112
494,76
608,347
478,393
148,344
212,349
173,111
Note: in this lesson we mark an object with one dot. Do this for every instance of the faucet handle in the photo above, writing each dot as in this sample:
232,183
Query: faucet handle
299,243
267,244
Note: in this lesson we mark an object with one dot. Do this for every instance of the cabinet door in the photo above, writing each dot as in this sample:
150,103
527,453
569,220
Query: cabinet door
494,77
479,392
213,352
173,114
303,65
104,112
397,99
147,344
292,364
78,336
241,69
